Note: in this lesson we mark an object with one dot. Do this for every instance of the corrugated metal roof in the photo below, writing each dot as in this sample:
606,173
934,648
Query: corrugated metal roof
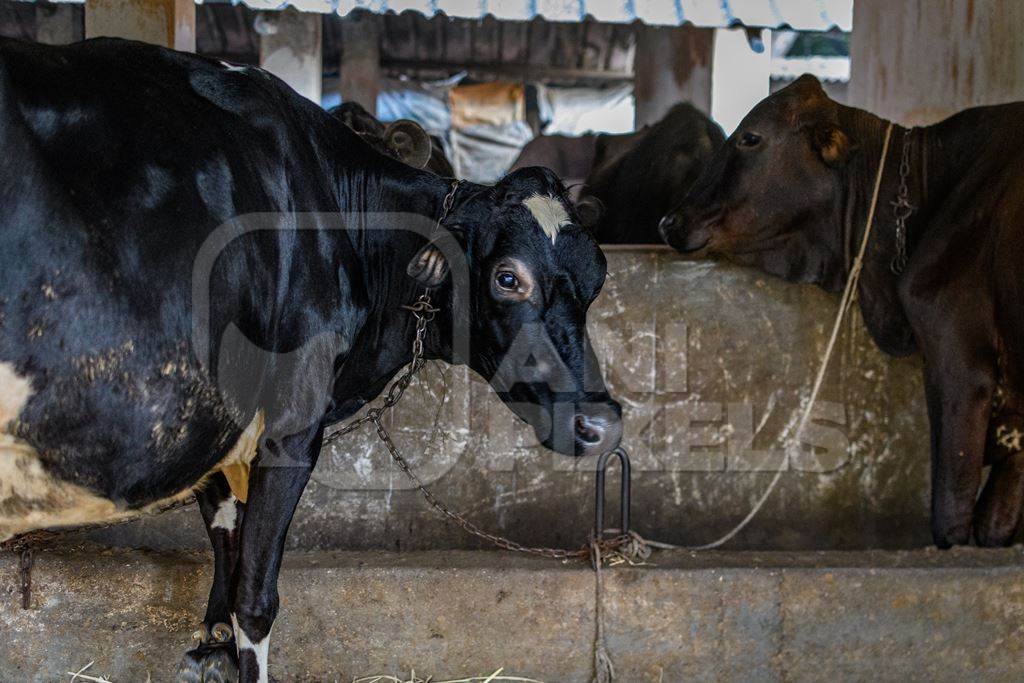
802,15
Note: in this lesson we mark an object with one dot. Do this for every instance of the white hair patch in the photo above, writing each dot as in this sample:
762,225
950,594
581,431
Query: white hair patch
261,649
549,213
15,391
227,515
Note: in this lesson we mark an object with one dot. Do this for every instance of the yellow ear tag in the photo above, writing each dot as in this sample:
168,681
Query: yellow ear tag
237,475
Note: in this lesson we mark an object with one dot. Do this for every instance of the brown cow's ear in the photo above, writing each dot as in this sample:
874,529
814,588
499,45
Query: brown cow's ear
590,210
409,142
429,266
833,145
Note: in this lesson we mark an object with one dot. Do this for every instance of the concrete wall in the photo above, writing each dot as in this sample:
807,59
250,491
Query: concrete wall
711,363
918,61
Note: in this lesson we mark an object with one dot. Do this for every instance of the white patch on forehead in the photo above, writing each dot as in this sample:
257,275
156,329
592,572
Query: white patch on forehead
549,213
15,391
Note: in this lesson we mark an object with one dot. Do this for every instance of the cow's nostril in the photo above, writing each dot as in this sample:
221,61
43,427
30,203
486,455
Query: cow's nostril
590,431
668,222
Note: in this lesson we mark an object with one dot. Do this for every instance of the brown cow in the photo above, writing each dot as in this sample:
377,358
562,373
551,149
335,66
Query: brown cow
789,193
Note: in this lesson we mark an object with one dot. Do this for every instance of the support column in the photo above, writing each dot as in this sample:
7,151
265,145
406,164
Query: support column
57,24
672,64
171,23
918,61
291,48
742,76
360,60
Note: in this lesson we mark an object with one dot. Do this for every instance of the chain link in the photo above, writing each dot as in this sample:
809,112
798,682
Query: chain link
424,312
902,209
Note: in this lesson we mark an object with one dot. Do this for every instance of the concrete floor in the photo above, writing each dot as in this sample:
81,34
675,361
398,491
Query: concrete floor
919,615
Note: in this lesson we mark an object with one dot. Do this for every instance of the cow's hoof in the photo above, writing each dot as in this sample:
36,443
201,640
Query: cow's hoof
208,664
214,660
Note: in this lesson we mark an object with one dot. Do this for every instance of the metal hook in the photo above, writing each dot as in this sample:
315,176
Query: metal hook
602,466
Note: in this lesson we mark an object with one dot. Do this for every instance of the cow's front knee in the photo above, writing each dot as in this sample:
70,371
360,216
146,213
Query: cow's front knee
214,658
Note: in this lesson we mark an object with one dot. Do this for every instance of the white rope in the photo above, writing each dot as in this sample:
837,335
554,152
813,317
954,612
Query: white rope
844,306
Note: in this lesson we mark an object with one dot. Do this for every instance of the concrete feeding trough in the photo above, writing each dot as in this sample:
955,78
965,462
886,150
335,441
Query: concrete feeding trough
712,362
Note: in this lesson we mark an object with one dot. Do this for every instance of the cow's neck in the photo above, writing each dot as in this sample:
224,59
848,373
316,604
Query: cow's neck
384,344
877,291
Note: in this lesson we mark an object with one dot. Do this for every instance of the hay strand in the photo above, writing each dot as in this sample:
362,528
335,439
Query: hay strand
495,677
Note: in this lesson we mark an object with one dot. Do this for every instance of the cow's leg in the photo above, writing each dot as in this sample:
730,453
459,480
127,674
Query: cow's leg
958,386
998,511
214,659
275,485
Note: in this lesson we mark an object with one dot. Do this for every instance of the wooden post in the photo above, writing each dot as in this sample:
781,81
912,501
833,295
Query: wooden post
360,59
742,76
57,24
171,23
291,48
918,61
672,64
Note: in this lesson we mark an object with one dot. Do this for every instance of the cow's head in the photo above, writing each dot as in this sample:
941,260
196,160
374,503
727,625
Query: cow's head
533,273
769,197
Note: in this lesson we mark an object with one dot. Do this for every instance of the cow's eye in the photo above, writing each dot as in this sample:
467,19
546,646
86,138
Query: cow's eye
507,280
750,140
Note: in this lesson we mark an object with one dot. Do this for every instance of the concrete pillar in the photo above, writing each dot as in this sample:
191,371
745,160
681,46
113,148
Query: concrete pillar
291,48
360,60
171,23
918,61
742,77
672,64
57,24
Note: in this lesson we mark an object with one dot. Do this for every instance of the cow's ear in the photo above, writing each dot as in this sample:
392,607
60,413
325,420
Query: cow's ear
834,146
429,267
409,142
590,209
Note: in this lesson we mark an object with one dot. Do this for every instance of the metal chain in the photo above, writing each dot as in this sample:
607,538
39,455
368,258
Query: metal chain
902,209
424,313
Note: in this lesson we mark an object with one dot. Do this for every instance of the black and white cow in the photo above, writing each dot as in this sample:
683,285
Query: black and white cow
201,270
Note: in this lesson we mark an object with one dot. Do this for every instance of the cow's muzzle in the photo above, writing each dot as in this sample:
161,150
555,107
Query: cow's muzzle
687,234
598,430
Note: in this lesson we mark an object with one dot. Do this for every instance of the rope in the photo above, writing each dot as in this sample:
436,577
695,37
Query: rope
844,306
604,668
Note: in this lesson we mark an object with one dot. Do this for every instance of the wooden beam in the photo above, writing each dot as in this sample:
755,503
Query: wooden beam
291,48
360,67
57,24
672,64
510,71
918,61
171,23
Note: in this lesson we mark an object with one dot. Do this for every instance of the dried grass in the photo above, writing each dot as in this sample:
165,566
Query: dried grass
495,677
80,676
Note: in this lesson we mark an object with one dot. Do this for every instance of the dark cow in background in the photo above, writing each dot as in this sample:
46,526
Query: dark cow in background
130,170
404,140
789,193
570,157
637,178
